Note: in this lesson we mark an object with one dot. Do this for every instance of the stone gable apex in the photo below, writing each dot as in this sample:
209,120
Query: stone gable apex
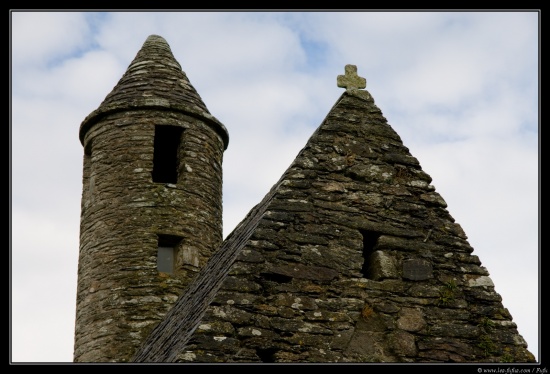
351,257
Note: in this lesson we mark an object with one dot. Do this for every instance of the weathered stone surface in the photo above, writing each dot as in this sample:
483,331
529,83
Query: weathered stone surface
216,327
304,272
382,266
417,269
234,283
411,319
402,343
402,244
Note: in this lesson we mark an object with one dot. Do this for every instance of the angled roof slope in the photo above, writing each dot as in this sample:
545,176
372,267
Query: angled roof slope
351,257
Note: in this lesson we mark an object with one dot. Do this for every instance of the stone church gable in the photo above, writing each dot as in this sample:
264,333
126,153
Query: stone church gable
352,256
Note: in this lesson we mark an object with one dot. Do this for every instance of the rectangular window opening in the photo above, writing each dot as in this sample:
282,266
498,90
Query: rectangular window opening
369,242
166,254
165,260
165,156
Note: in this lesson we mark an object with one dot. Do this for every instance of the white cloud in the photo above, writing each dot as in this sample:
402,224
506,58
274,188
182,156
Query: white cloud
41,38
44,263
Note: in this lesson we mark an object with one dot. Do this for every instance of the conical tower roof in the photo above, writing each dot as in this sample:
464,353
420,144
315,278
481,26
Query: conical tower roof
154,80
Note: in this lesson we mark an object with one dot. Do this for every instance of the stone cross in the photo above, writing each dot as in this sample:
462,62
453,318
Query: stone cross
351,80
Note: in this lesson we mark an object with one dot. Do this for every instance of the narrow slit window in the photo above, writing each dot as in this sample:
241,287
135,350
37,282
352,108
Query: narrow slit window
165,156
166,254
369,241
165,260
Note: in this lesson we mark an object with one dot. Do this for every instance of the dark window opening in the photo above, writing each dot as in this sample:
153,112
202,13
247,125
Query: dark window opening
166,254
369,241
88,148
165,156
266,355
278,278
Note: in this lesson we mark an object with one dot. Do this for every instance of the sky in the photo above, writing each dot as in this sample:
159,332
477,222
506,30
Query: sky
460,88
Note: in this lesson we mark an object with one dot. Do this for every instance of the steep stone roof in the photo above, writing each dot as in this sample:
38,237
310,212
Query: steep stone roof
351,257
154,80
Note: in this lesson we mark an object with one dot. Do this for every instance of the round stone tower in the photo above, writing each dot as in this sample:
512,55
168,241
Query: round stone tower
151,211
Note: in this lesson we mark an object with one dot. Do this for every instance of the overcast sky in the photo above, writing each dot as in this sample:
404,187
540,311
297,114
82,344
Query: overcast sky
460,88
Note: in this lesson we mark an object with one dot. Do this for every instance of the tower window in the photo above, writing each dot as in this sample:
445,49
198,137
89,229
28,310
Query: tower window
165,157
165,260
166,255
369,241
